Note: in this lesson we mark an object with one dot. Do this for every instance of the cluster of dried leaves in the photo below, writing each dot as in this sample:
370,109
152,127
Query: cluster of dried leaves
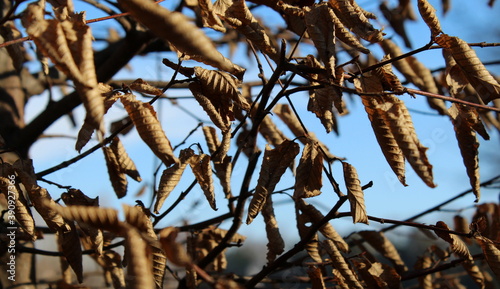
332,26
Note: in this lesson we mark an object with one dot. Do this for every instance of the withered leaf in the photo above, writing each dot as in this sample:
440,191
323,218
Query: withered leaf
208,16
316,277
457,245
276,244
308,180
320,27
139,274
473,69
150,130
103,218
72,250
468,144
202,170
44,205
428,13
339,262
312,247
175,252
142,86
491,253
116,175
76,197
171,177
384,246
125,163
179,31
273,167
355,194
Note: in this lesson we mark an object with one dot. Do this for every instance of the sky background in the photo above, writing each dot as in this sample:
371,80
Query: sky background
356,142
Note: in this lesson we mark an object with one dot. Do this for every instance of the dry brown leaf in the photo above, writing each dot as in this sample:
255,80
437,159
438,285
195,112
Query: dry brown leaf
486,86
316,277
171,177
175,252
15,197
344,35
180,32
426,281
461,224
389,80
355,20
320,27
355,194
396,21
273,167
139,217
103,218
211,138
384,246
76,197
322,100
139,274
223,122
72,249
428,13
116,175
146,122
142,86
456,244
475,273
313,215
388,144
377,275
303,221
68,43
222,90
125,163
340,264
288,117
237,14
44,205
208,16
398,119
270,132
276,244
401,65
468,144
202,170
491,254
308,180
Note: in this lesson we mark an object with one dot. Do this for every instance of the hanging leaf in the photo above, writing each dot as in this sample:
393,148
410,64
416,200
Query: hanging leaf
475,273
146,122
202,170
308,181
139,274
116,176
396,20
142,86
275,245
240,17
139,217
223,122
340,264
270,132
22,213
320,27
288,117
468,144
171,177
176,253
180,32
457,246
72,250
355,20
491,254
389,80
103,218
76,197
344,35
43,203
303,219
208,16
401,65
426,281
125,163
313,215
486,86
355,194
428,13
384,246
273,167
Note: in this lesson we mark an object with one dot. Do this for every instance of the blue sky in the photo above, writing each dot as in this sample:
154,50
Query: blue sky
386,199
